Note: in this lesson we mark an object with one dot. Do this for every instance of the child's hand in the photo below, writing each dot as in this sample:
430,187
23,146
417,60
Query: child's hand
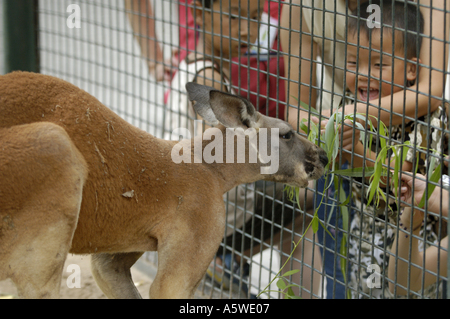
325,115
406,195
321,124
350,137
406,188
165,71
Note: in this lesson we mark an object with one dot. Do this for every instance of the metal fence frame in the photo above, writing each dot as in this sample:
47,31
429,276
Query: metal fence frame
121,77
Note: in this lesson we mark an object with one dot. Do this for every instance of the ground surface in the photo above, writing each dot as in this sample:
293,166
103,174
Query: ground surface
89,289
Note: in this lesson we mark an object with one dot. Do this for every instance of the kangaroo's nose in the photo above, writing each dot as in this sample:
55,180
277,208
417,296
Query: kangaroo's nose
323,158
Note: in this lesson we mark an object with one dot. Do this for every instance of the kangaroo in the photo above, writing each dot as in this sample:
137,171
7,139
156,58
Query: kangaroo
77,178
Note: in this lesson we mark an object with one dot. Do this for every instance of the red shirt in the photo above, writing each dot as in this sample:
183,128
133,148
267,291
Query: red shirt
268,92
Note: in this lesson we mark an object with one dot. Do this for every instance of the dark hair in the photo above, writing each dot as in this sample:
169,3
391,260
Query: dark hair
403,16
207,3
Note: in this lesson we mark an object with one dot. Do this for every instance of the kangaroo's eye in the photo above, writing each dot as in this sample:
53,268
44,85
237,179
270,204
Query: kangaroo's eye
287,136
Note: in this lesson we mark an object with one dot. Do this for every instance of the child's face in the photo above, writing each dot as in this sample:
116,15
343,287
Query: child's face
363,64
232,26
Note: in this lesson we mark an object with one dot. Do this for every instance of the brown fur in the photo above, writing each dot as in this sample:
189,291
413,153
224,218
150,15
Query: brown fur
77,178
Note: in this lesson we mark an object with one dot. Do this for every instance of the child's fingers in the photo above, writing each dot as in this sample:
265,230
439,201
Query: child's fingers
347,143
405,195
404,189
349,138
407,178
348,128
315,120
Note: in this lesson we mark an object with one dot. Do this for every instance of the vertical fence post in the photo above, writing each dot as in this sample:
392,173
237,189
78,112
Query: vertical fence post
21,35
448,254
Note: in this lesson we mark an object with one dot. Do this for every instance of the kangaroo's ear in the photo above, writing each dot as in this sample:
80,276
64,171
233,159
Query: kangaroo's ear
200,95
230,110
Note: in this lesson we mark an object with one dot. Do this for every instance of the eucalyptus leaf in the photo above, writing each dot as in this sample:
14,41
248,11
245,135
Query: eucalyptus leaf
303,126
281,284
356,172
326,229
292,272
305,107
398,159
313,132
315,224
383,136
434,178
330,134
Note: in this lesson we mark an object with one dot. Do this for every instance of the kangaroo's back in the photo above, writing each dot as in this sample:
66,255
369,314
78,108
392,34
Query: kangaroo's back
29,98
121,158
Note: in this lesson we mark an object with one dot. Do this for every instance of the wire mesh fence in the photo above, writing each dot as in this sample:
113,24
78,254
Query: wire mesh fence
341,238
2,60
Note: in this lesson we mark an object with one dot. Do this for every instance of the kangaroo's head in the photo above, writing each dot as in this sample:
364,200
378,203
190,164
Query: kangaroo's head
282,154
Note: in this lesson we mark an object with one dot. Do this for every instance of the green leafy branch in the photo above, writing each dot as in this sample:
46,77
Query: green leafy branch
329,141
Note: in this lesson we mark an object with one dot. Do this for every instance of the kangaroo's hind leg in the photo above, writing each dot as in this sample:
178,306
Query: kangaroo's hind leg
113,276
42,176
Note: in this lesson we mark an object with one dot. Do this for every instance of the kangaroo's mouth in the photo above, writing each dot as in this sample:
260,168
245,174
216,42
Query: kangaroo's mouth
315,166
323,158
309,173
